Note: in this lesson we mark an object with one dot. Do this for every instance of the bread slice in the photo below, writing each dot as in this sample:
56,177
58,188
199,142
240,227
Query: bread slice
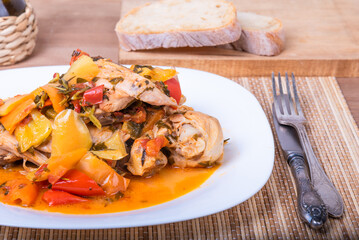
178,23
261,35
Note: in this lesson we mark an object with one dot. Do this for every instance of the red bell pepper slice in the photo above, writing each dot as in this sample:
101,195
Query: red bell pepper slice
174,88
93,96
154,146
54,198
77,106
77,54
78,183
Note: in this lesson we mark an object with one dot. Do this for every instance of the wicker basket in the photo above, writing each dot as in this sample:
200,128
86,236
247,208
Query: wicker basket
17,36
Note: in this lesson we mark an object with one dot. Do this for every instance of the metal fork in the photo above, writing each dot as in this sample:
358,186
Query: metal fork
289,112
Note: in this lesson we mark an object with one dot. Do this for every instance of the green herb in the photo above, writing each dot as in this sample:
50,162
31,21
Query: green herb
135,129
147,76
40,99
116,197
3,184
50,113
81,80
139,68
146,89
165,90
99,146
205,164
143,157
116,80
95,79
55,79
77,96
6,191
161,124
89,113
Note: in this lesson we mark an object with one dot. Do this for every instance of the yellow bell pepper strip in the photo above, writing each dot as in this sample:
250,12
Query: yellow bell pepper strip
11,120
76,54
55,97
12,103
155,74
115,148
34,132
103,174
71,139
84,67
19,191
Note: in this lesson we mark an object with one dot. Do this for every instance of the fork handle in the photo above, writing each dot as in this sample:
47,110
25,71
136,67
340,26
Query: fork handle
311,208
321,182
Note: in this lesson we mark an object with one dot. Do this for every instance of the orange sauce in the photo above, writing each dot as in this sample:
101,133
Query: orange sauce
168,184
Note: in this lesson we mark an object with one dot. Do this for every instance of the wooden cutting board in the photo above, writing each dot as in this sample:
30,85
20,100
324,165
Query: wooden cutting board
322,39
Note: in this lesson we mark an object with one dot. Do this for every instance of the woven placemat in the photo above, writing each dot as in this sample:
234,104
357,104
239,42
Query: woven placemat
271,213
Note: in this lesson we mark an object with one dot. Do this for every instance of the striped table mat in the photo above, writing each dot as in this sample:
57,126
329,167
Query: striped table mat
271,213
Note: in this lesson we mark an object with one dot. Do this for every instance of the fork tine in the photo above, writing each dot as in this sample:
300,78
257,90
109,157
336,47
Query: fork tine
283,100
276,107
291,106
299,109
274,87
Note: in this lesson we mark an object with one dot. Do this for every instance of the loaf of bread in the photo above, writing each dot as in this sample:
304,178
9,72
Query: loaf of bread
178,23
261,35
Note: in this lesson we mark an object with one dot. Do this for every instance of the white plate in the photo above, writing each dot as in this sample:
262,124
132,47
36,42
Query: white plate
248,157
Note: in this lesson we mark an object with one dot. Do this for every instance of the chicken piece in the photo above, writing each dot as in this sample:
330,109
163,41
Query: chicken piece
7,157
197,139
143,165
9,151
124,86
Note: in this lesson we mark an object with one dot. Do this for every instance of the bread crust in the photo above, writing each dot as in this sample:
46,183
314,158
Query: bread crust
260,42
183,38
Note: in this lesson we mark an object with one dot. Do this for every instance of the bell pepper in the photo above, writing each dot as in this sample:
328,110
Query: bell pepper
55,97
77,106
76,54
84,67
33,133
78,183
115,148
155,74
103,174
11,120
20,191
154,146
54,198
58,165
174,88
93,96
12,103
71,139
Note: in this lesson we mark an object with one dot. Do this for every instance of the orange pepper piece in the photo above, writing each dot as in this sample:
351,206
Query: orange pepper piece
11,120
